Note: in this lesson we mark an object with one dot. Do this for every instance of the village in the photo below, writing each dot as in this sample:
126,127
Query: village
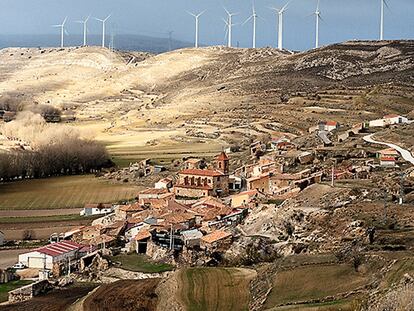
192,217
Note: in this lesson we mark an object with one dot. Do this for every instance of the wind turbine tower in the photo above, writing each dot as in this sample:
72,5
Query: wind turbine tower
253,17
62,32
85,30
229,24
197,20
383,5
318,18
280,25
103,21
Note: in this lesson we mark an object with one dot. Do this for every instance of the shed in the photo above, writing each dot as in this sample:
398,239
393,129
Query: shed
47,256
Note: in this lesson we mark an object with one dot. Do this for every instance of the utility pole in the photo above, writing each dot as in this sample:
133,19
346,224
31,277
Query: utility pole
385,206
401,200
333,176
171,237
170,40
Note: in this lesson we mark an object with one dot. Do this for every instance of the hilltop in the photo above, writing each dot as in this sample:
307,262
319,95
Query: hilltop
215,91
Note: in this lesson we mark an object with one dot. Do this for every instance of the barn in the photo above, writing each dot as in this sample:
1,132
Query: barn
50,254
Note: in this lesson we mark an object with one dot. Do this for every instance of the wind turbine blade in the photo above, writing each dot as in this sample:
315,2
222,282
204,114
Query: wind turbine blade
199,14
64,21
192,14
56,26
87,19
386,5
320,17
251,16
228,13
79,22
107,17
66,32
286,6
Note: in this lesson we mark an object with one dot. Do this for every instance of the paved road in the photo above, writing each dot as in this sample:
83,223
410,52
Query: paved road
407,156
10,257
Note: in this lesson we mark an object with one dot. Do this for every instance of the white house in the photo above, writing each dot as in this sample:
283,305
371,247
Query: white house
235,183
387,161
1,238
165,183
50,254
96,209
154,193
388,120
133,231
328,126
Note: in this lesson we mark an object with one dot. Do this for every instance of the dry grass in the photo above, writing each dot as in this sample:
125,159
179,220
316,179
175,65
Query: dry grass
313,282
215,288
62,192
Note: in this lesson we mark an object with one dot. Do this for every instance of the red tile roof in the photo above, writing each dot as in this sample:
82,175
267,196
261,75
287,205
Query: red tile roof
222,156
331,123
154,191
198,172
142,235
387,159
215,236
390,116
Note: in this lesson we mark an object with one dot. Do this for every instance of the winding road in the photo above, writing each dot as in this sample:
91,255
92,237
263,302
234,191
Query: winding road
404,153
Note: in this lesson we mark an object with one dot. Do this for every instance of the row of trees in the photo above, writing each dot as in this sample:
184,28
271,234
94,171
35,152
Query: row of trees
74,156
55,150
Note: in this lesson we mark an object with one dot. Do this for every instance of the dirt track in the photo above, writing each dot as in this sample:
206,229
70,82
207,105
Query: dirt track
126,295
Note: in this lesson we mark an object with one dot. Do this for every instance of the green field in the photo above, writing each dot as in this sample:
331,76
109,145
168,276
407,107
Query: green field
62,192
5,288
313,282
140,263
205,289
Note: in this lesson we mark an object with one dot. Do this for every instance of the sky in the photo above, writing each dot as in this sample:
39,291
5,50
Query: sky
342,19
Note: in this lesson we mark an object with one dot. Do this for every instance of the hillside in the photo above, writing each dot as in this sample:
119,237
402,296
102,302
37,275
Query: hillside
131,100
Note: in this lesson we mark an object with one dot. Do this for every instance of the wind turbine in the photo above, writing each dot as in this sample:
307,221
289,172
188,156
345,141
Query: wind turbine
85,29
280,25
318,18
62,32
254,16
103,21
197,18
229,24
383,5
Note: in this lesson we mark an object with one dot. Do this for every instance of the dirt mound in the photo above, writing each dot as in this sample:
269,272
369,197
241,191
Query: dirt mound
125,295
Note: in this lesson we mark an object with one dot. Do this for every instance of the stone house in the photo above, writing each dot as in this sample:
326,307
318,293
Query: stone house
218,240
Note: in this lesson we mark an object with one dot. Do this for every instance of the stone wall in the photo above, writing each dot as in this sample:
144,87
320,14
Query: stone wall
29,291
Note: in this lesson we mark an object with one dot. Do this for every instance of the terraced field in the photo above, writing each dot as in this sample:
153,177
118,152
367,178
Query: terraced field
313,283
61,193
214,288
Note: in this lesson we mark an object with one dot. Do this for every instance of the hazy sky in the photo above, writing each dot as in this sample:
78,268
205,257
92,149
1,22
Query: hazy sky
343,19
